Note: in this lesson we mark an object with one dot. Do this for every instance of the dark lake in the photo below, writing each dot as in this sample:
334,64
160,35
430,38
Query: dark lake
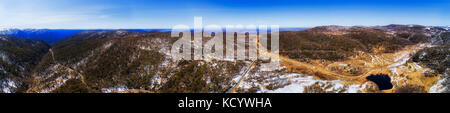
383,81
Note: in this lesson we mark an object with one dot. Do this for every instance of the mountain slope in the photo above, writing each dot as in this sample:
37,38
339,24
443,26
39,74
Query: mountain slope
18,58
326,59
110,61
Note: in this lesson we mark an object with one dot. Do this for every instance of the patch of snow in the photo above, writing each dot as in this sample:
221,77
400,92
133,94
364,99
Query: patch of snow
292,88
115,89
145,48
394,71
399,61
5,57
269,67
417,66
7,86
2,69
56,84
297,85
355,88
3,38
438,87
299,82
107,45
442,85
336,87
156,80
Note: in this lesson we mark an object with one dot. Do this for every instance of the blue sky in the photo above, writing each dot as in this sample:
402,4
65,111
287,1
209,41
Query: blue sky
127,14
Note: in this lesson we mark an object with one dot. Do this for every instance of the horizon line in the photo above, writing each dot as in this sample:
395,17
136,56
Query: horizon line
2,28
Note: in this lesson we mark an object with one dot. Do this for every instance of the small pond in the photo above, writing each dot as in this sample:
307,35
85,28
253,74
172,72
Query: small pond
383,81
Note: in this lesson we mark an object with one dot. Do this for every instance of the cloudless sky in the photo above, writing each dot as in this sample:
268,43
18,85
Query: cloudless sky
127,14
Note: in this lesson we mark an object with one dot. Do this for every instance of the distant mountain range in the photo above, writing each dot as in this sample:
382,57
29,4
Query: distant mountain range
48,35
52,36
